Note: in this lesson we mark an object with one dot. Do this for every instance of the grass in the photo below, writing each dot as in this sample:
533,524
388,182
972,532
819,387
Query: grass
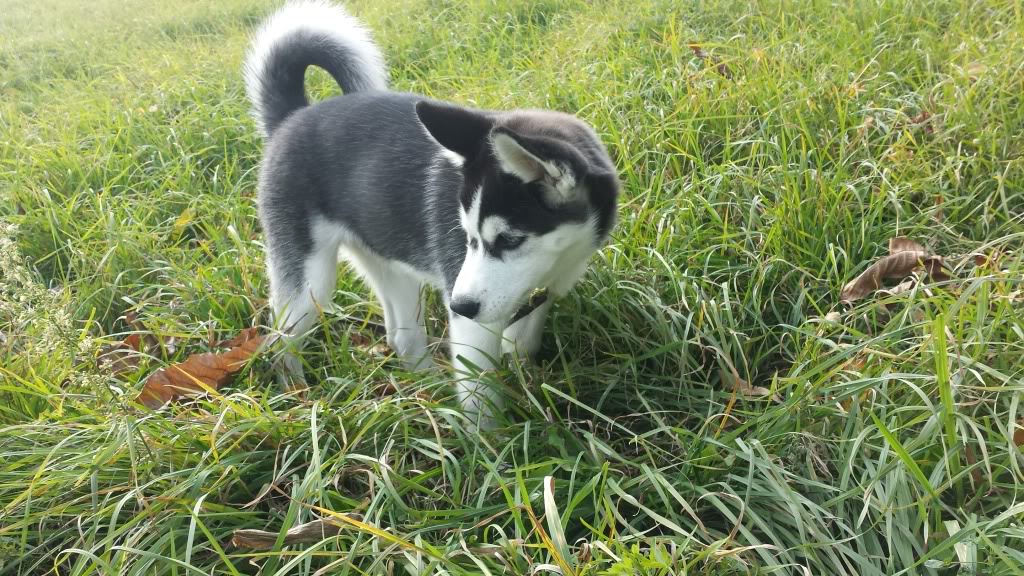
127,165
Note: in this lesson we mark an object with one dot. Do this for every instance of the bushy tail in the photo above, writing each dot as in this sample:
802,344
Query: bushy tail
301,34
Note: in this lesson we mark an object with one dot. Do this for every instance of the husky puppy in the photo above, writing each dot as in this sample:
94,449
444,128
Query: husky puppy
485,206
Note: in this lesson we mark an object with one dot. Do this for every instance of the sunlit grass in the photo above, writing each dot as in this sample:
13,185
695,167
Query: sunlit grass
127,165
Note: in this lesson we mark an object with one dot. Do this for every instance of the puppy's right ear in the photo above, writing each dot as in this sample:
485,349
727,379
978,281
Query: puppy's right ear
464,131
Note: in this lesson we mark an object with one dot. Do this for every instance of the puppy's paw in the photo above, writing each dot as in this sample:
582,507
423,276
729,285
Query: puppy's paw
288,371
480,403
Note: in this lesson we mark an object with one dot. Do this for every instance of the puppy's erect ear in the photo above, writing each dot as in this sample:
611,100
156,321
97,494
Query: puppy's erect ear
461,130
537,158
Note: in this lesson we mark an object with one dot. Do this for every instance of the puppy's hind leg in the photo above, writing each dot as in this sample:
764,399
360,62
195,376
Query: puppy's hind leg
399,296
301,283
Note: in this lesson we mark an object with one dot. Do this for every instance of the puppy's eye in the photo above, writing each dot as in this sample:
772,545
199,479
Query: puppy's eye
508,242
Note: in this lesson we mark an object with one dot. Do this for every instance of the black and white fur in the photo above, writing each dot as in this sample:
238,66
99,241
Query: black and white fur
484,206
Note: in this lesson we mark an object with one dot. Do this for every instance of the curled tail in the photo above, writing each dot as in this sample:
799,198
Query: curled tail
301,34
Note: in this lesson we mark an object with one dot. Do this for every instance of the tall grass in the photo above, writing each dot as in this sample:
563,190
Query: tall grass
885,443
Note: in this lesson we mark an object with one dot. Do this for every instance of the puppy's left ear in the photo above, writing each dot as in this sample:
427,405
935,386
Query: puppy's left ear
461,130
540,159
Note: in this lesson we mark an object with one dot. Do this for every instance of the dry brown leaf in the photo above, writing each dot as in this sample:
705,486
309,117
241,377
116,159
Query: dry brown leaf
936,268
903,244
714,60
124,356
1018,434
921,117
309,532
922,120
991,260
893,266
862,130
121,356
900,288
197,373
904,257
242,337
743,388
390,389
974,70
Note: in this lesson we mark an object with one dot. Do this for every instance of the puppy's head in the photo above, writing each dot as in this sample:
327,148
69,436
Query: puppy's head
538,198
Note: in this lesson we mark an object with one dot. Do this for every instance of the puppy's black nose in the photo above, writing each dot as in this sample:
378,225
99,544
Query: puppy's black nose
467,308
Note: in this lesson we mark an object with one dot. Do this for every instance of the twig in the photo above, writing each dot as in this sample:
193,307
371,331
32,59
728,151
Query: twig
537,297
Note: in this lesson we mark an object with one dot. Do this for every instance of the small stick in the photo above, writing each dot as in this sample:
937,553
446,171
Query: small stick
537,297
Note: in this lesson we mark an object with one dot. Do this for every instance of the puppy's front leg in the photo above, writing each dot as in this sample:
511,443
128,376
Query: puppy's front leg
475,348
524,337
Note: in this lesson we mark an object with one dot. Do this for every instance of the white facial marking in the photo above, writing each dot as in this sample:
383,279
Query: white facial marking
492,227
471,218
555,260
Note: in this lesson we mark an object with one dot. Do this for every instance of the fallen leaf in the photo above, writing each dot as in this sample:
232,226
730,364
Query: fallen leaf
309,532
904,257
241,338
743,388
898,153
390,389
714,60
150,341
359,340
197,373
866,125
903,244
858,362
990,261
122,356
922,120
921,117
974,70
380,349
1018,435
900,288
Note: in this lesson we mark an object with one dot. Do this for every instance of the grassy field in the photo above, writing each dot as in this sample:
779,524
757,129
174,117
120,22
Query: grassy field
755,186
